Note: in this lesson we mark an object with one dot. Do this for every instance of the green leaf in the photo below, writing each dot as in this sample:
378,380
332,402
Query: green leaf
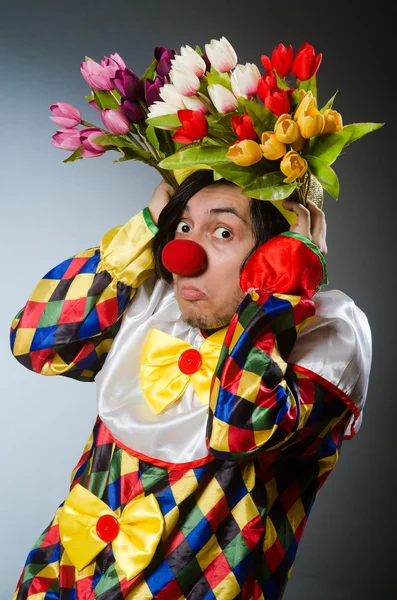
327,147
198,50
270,187
262,118
74,156
326,176
195,155
280,82
358,130
90,98
150,72
329,104
214,77
151,135
241,105
110,139
170,121
242,176
309,85
132,154
106,99
217,176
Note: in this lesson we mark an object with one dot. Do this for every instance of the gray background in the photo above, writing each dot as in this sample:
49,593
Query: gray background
51,210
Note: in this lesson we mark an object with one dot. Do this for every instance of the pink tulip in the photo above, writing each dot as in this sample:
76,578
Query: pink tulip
87,137
67,139
96,75
113,63
66,115
115,121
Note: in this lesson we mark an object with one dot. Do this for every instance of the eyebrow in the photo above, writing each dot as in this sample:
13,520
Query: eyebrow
222,209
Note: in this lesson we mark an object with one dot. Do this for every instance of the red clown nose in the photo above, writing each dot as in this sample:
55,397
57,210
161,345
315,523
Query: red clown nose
183,257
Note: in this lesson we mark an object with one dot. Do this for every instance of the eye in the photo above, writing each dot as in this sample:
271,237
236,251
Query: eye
182,227
221,233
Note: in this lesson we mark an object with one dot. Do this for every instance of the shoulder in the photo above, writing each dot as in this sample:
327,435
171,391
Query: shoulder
336,346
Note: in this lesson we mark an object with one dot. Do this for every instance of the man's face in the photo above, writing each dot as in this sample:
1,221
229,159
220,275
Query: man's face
218,217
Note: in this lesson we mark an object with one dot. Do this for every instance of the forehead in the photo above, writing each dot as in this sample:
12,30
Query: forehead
219,196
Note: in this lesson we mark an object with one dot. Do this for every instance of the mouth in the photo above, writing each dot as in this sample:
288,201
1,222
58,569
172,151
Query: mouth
192,293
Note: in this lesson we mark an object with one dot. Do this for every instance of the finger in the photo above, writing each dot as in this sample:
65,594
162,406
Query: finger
318,224
303,214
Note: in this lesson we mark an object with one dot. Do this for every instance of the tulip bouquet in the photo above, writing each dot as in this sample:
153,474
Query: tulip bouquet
204,110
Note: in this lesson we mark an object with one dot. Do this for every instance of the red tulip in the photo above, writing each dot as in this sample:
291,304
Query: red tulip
194,126
243,127
277,101
266,82
306,63
282,60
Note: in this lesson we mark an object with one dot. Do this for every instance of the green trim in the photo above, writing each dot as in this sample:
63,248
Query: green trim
315,249
149,221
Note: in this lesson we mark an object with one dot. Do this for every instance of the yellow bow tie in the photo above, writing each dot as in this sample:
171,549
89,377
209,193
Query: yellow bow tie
87,525
168,365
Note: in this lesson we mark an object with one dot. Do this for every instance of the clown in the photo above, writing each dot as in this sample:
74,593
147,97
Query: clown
226,382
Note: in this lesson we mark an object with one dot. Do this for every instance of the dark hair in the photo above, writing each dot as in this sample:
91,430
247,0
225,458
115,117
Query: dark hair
267,220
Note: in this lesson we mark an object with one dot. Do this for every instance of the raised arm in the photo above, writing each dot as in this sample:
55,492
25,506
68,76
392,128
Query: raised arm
73,314
259,402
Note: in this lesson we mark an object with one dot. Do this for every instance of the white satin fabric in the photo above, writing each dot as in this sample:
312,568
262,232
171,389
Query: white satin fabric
336,344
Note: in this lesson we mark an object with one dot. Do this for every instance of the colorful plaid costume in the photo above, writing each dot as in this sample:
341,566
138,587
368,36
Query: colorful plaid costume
234,518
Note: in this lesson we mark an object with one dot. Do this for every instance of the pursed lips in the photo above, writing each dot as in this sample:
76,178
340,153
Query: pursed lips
192,293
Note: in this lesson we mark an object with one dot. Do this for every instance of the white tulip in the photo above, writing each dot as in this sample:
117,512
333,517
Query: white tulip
221,55
170,94
185,80
190,59
193,103
222,98
159,109
244,80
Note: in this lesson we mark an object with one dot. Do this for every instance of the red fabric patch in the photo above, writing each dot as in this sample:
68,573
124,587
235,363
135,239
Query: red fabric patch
66,577
252,532
72,311
231,376
241,440
217,570
75,267
171,591
173,542
52,537
217,513
107,311
31,314
39,357
40,584
275,555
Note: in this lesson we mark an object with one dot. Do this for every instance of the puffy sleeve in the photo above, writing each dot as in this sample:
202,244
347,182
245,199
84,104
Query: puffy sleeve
258,403
73,314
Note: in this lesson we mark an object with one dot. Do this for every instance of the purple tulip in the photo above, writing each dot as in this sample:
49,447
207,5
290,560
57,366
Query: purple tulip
96,75
67,139
152,89
87,137
66,115
113,64
115,121
132,111
163,57
128,84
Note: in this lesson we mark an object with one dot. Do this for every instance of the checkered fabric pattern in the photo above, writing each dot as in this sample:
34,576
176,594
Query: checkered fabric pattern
74,313
232,525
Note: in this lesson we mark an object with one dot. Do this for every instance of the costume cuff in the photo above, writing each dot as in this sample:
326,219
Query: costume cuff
126,250
288,263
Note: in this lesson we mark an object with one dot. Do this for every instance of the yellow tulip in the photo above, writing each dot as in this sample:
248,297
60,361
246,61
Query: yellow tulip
311,122
245,153
299,144
271,147
286,130
293,166
333,121
307,100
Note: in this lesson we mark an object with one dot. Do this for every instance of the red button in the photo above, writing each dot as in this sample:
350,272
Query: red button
107,528
189,361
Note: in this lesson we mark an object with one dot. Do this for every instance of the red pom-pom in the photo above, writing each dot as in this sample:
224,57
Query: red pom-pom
183,257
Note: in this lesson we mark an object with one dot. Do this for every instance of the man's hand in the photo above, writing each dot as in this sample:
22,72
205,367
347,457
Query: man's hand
160,198
311,222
